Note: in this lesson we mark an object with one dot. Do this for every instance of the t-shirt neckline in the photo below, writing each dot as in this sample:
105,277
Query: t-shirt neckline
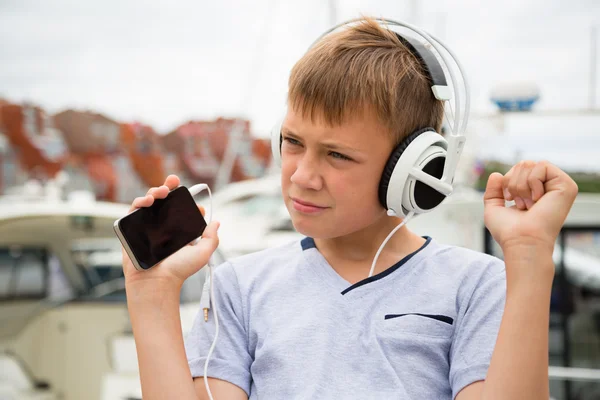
320,265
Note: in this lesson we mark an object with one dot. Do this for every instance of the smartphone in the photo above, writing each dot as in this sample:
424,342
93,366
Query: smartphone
151,234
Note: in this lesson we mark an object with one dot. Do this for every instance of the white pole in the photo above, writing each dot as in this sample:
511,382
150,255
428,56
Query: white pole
593,66
441,21
414,12
231,154
573,374
332,13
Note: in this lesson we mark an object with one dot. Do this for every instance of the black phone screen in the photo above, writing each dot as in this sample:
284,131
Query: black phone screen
154,233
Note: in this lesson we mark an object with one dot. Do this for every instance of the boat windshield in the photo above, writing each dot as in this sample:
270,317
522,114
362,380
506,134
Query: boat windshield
29,273
35,273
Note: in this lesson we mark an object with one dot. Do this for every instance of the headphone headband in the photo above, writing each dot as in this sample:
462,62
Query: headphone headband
430,64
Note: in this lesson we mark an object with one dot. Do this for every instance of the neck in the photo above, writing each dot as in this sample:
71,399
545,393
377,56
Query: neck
356,251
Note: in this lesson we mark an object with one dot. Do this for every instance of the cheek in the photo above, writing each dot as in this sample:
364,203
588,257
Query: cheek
287,167
355,210
287,170
357,196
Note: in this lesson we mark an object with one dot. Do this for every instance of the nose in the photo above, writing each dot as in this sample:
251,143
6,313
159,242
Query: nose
306,175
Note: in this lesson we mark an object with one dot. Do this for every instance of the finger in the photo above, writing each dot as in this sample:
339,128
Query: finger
172,182
536,180
506,181
560,191
520,203
494,195
160,192
512,182
211,230
210,238
558,180
523,189
139,202
202,210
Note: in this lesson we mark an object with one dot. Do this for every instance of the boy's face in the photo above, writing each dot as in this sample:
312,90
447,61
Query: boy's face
330,175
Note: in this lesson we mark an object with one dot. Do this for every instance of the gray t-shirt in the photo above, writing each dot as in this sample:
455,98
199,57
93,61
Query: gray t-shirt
292,328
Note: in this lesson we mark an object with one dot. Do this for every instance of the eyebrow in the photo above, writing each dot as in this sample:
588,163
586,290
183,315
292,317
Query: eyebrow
329,145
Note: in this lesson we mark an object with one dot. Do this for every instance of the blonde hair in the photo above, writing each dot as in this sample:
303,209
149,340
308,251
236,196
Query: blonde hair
365,68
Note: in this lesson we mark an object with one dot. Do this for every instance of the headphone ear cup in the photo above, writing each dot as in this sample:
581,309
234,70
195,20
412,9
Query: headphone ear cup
422,153
424,196
276,142
388,170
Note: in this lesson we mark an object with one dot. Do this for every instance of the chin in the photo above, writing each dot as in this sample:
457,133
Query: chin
311,227
314,232
317,228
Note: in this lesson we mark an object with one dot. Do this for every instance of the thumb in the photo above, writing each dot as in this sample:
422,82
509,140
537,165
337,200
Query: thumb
211,230
494,196
209,242
210,236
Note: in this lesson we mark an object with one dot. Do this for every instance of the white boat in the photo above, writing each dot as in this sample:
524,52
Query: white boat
61,294
252,216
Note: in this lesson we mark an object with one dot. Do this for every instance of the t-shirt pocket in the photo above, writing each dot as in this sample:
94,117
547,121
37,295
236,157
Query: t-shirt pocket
417,324
416,342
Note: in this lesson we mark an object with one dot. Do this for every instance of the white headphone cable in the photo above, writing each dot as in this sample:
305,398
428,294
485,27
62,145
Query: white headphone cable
214,343
204,302
400,225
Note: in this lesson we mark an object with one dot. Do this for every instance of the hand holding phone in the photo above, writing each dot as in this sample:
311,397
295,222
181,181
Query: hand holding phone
159,229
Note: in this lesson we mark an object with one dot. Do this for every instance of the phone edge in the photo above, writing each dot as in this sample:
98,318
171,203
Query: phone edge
125,245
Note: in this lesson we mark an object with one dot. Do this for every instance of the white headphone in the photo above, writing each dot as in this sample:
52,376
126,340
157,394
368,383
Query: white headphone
420,171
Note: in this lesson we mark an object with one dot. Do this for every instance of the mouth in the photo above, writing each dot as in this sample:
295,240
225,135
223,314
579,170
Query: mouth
306,207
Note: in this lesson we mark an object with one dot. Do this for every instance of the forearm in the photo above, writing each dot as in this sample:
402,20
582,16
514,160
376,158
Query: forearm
155,319
519,365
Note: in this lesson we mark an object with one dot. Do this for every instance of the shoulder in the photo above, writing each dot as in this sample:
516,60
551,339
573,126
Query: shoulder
467,269
456,258
261,263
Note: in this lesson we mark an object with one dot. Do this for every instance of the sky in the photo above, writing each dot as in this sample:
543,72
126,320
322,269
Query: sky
165,63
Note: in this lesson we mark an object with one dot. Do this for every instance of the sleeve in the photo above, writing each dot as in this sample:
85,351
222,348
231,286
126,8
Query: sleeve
230,360
478,323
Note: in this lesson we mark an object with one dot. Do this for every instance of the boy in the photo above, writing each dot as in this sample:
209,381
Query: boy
303,321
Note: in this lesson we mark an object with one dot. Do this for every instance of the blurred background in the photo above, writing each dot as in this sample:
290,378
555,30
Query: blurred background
101,100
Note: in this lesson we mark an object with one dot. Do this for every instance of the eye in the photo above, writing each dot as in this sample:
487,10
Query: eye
339,156
291,141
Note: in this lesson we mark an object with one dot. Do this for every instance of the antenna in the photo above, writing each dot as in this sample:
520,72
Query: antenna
332,12
231,152
593,65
